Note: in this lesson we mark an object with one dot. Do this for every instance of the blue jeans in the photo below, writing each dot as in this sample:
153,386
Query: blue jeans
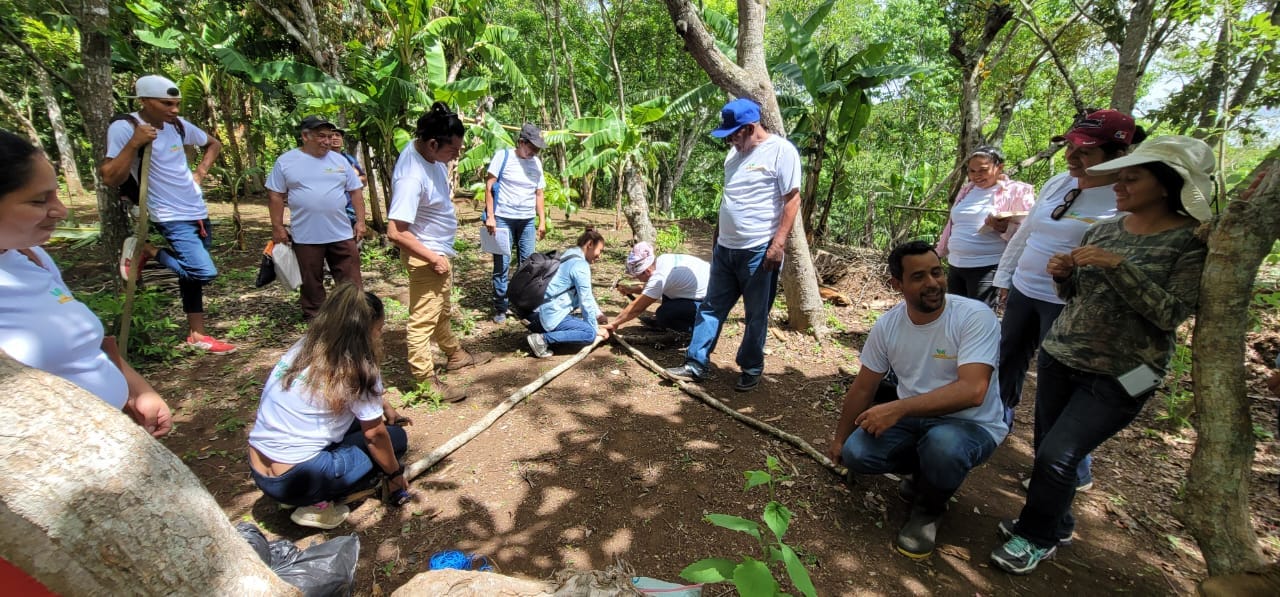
524,235
734,273
1075,412
938,451
676,314
188,256
571,330
333,473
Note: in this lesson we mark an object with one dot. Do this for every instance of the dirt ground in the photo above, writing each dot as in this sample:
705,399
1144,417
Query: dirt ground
609,463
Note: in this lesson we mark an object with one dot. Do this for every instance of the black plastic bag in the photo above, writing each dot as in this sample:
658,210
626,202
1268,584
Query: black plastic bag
324,570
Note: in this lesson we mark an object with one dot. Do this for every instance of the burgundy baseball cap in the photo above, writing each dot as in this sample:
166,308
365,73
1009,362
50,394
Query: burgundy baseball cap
1103,126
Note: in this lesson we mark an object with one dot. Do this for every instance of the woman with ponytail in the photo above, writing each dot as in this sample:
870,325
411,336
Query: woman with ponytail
323,429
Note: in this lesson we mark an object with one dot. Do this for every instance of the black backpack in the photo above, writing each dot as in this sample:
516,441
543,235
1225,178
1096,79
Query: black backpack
528,285
129,189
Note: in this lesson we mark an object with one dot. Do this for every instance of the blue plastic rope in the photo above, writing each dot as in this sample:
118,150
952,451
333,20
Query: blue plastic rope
450,560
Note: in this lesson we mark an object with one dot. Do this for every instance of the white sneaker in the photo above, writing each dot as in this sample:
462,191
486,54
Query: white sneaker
324,515
538,346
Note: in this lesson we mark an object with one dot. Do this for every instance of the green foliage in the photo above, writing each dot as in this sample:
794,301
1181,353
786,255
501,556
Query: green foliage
1177,398
424,394
152,332
671,239
749,575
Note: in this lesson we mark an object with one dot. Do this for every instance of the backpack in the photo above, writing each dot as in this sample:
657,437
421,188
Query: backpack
129,189
528,286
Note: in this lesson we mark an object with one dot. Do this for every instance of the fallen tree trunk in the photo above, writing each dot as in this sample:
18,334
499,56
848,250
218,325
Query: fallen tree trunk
92,505
421,466
757,424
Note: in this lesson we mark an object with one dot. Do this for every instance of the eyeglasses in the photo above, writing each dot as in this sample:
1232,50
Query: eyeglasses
1061,210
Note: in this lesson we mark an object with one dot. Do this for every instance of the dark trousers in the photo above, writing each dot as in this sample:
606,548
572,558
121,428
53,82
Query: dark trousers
343,258
1075,412
333,473
974,283
676,314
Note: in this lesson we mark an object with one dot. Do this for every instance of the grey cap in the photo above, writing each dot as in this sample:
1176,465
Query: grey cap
533,135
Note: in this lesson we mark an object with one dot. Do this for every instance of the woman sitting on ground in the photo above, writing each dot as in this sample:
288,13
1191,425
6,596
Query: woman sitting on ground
41,324
324,430
972,247
1128,286
554,324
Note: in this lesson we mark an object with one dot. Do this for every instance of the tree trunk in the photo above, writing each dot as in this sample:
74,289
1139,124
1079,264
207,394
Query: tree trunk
1216,510
66,153
750,78
92,91
687,140
28,127
637,207
92,505
375,207
1130,64
971,58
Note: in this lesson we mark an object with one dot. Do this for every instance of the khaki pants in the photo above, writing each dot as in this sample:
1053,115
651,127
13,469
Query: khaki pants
429,307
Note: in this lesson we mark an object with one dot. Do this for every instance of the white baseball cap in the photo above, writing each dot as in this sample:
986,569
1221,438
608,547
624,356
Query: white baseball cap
1191,158
156,86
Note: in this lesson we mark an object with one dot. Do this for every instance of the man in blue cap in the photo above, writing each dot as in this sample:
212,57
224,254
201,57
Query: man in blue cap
759,204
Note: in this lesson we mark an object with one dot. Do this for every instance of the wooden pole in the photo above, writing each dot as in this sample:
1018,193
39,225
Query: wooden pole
140,234
757,424
421,466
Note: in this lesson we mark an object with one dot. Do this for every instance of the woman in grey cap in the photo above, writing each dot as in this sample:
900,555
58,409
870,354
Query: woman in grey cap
1128,286
513,201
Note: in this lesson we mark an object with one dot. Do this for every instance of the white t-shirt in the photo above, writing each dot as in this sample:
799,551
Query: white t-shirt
422,198
678,277
967,246
291,427
317,193
1044,237
172,192
927,357
42,326
515,192
754,185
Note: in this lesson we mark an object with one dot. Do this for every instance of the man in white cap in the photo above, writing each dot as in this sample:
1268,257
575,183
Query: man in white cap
679,281
513,201
759,204
315,183
174,200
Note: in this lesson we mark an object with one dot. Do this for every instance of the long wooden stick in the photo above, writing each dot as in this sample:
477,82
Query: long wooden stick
698,393
421,466
140,235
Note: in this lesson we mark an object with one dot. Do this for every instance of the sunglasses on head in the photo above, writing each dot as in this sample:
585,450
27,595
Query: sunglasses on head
1061,210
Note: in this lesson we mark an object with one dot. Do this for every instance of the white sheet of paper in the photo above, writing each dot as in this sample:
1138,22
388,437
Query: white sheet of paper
498,243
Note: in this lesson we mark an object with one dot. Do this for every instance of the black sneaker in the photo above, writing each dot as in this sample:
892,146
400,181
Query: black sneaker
917,537
1007,525
746,382
685,373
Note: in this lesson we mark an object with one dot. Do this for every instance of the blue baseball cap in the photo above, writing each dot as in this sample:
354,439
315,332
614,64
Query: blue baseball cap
735,114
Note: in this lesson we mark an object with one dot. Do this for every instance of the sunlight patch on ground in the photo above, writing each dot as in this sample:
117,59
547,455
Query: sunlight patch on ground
553,498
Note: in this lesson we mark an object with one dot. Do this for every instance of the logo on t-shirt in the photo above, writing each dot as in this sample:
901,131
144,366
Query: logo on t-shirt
755,168
62,295
175,147
333,170
941,353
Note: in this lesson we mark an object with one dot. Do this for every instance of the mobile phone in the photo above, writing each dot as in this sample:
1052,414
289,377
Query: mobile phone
1139,381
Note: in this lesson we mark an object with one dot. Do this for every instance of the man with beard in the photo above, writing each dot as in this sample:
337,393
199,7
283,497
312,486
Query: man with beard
947,418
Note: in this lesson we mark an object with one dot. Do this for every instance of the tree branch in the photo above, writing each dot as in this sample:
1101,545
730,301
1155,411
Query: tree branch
1034,24
293,31
31,53
702,47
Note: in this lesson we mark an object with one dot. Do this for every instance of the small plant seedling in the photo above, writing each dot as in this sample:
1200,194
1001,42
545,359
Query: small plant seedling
424,393
230,424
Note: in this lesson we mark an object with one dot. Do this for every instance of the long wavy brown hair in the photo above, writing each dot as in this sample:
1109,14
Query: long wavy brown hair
342,350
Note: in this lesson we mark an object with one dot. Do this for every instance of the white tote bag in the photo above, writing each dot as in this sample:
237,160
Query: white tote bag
287,270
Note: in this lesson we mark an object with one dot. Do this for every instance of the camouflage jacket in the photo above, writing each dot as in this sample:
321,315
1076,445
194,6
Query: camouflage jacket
1119,318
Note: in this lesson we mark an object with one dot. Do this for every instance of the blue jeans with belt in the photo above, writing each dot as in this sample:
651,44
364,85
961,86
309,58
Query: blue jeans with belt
524,237
735,273
331,474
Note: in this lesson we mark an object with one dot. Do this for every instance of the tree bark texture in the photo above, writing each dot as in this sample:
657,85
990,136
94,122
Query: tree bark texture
637,206
750,78
1130,63
92,91
92,505
66,153
970,56
1216,510
28,127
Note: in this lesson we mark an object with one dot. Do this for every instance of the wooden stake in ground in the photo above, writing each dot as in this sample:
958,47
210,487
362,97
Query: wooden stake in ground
421,466
759,425
140,234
